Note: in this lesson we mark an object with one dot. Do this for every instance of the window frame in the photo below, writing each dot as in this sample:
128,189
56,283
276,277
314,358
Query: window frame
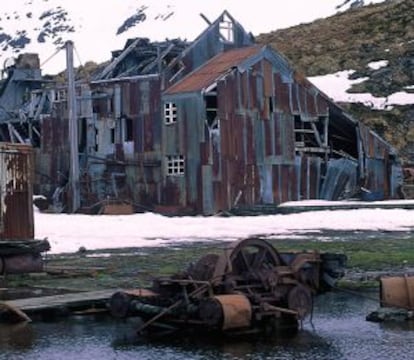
170,113
174,165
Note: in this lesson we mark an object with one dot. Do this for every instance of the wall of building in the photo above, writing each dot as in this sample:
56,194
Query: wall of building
254,157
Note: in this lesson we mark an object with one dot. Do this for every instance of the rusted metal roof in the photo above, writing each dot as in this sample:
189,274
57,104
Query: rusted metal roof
213,70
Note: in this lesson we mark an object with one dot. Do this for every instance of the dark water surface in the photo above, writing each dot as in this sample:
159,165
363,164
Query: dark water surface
340,332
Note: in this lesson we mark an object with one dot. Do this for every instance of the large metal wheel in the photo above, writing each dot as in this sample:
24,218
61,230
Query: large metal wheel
248,256
252,255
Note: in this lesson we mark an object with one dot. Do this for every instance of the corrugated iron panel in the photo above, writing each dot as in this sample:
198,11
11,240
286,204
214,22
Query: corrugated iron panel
249,135
16,192
374,146
340,179
277,184
268,138
376,181
284,137
314,177
282,94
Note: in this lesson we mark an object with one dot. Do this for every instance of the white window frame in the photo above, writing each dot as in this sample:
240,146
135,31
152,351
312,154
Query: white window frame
170,113
174,165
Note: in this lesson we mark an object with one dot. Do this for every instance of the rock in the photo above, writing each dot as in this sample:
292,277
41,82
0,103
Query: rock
385,314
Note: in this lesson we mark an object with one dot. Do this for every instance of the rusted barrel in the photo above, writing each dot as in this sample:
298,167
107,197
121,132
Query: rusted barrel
227,311
397,291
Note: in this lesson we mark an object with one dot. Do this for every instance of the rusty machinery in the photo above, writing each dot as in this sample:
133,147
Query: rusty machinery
249,288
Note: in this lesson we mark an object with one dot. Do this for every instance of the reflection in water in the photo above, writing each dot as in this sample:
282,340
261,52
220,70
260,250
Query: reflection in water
17,336
340,332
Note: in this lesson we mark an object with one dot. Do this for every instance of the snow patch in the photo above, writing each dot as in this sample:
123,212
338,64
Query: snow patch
375,65
67,233
336,86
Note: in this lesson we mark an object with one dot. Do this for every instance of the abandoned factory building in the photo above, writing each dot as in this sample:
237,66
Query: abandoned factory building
195,127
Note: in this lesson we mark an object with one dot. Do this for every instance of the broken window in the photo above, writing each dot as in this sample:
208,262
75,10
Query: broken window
227,30
127,129
212,119
170,113
60,95
175,165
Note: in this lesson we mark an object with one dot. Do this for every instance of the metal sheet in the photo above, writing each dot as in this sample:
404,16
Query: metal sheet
16,192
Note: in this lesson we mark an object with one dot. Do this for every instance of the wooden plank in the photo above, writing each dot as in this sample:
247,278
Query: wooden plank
71,301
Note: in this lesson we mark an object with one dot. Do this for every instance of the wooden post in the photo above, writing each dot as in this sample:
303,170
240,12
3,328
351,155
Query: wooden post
73,129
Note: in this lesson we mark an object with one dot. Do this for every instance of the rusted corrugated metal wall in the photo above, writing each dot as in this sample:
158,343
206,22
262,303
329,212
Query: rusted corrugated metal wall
251,159
184,138
16,180
139,102
52,161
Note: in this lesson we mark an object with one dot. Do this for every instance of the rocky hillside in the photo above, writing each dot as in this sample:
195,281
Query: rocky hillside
351,40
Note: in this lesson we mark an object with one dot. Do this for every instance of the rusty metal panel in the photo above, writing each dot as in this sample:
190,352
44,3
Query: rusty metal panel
249,136
282,94
54,134
396,180
315,177
266,183
220,188
376,174
133,105
244,91
285,183
374,146
16,192
268,138
207,190
276,178
258,128
284,137
278,131
216,154
309,178
268,78
227,101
